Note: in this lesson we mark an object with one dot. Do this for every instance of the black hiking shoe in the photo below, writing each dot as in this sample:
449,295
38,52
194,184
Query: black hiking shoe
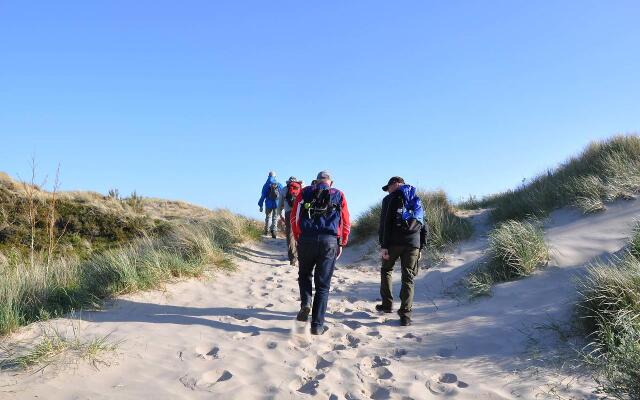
273,234
405,321
303,314
380,307
319,330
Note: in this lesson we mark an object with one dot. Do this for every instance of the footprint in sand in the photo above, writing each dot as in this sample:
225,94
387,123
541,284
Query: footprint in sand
445,352
214,377
399,353
189,381
210,354
352,324
353,341
445,384
375,334
244,335
380,393
307,385
315,363
207,380
412,336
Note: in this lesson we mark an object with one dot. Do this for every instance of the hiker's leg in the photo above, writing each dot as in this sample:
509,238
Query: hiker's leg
291,241
326,261
386,285
273,225
266,220
409,260
306,262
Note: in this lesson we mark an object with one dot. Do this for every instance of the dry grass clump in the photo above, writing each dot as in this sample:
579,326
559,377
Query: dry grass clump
53,346
610,308
603,172
516,250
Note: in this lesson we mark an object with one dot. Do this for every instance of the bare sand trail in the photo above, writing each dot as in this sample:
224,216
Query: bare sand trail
234,336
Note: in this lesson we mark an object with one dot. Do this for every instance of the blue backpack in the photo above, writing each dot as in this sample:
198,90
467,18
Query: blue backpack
409,214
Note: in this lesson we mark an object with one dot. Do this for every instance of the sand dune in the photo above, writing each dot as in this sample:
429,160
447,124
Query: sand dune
235,336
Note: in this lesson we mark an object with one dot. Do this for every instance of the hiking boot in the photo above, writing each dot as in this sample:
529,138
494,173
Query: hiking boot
405,321
380,307
303,314
273,234
318,330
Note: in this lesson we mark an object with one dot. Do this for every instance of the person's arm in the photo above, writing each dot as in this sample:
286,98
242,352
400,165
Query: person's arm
345,223
385,227
294,217
382,224
281,202
263,196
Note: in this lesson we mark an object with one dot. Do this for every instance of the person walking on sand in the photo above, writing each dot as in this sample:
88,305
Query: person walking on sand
321,226
285,202
402,235
269,203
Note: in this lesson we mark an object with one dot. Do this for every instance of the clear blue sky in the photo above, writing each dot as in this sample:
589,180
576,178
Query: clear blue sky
198,100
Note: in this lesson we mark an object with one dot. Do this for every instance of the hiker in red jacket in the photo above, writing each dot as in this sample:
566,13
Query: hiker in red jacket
320,224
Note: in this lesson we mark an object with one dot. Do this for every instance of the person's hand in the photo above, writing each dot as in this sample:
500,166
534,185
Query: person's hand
419,254
261,209
384,254
339,252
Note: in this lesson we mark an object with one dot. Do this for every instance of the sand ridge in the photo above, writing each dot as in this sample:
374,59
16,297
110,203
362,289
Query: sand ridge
235,336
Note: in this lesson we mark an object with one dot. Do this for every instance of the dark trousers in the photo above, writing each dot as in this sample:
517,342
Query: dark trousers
317,259
270,220
409,263
291,241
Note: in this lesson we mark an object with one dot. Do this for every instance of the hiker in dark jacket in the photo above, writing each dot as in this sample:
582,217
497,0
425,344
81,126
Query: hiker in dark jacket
320,224
402,235
269,203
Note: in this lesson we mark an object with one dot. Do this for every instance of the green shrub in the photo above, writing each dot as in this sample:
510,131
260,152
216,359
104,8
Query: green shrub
610,309
516,250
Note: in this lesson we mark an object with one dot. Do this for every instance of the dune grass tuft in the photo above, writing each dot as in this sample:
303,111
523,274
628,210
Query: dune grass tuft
53,346
609,306
444,225
516,250
603,172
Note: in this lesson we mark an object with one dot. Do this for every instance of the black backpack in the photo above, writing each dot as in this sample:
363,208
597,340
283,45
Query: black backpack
320,204
273,192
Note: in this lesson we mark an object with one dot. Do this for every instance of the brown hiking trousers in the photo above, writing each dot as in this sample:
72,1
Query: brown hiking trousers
291,241
409,264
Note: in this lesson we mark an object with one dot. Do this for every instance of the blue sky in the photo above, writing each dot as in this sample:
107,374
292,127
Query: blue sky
198,100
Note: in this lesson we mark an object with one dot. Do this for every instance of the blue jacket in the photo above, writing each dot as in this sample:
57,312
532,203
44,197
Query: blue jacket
269,203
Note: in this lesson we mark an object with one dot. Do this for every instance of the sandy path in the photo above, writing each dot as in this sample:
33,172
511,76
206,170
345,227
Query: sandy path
235,336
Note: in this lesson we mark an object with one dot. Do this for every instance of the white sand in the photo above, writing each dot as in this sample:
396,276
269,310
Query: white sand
235,336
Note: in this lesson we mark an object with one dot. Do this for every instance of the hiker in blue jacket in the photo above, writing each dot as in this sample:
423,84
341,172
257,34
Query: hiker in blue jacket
269,203
402,235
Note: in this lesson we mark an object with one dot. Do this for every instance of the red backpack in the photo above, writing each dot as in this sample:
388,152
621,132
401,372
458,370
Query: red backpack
293,189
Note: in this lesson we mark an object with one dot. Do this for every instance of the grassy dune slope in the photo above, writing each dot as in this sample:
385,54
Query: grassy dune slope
102,246
603,172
